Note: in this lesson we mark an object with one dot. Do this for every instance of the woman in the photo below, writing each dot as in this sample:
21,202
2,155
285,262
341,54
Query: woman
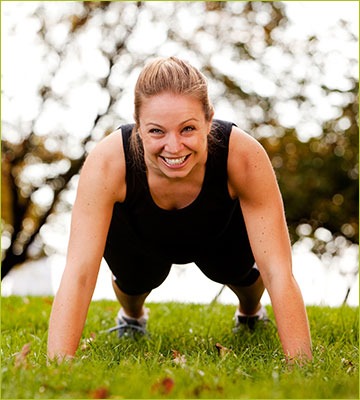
178,187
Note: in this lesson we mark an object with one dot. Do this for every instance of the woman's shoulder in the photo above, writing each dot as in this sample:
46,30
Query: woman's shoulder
246,159
109,150
106,161
242,143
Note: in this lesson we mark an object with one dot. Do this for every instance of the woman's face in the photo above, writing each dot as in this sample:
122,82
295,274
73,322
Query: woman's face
174,132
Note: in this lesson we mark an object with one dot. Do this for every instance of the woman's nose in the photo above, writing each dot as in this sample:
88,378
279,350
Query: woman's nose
173,143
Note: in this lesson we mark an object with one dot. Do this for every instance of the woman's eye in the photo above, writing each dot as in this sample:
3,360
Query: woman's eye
188,129
155,131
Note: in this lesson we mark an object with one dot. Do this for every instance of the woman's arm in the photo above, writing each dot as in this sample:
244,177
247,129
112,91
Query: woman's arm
101,184
252,180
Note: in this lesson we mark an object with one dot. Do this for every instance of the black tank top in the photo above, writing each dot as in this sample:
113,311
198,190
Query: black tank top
180,233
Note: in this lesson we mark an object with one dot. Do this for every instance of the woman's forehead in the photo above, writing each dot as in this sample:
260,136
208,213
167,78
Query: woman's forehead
168,100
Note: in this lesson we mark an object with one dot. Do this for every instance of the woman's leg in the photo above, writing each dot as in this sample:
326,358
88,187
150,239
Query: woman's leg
249,296
133,305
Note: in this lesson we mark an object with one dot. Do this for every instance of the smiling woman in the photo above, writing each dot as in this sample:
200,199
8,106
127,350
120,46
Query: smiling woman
174,132
155,193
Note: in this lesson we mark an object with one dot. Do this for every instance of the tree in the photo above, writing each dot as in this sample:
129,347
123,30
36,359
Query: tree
94,50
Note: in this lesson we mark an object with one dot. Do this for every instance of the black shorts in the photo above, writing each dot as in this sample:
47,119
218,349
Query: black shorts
139,268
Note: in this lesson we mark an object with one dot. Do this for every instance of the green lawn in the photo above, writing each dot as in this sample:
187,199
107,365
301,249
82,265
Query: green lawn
180,359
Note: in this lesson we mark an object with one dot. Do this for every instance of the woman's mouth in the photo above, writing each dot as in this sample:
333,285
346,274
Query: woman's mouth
175,162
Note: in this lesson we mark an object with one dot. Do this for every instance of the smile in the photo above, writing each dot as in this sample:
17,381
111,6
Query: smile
175,161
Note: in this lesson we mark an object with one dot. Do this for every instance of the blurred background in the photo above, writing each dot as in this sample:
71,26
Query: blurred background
286,72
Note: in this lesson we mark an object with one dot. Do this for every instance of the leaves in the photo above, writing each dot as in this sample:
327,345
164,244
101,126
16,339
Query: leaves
318,187
222,350
100,393
164,386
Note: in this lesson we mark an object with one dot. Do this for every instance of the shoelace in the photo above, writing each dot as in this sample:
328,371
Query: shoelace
127,326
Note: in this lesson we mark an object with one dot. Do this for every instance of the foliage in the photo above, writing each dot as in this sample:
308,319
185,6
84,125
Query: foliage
317,184
279,88
180,360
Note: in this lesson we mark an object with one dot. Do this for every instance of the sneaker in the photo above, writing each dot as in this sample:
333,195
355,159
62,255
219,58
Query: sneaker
242,320
130,327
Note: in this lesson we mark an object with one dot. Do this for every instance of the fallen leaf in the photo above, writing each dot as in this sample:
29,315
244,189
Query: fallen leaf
165,386
222,350
198,390
20,358
100,393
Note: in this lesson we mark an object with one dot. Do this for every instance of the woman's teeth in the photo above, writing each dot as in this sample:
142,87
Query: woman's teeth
175,161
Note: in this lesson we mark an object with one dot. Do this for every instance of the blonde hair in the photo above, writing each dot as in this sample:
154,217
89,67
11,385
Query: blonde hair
168,75
171,75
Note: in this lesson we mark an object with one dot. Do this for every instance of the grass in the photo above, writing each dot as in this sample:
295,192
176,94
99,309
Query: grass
180,359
